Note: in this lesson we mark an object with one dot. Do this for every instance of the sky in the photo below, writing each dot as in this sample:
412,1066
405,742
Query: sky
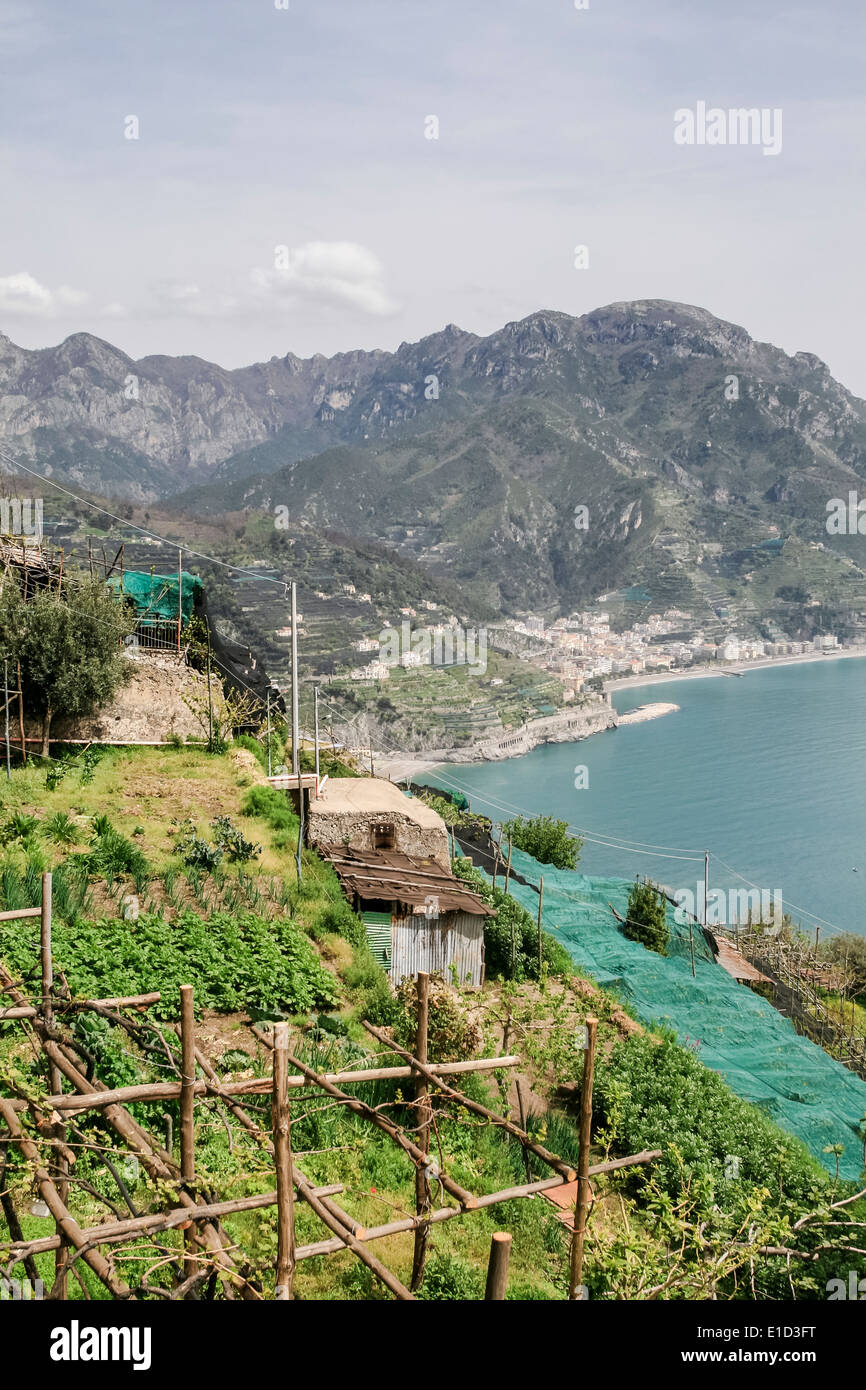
342,174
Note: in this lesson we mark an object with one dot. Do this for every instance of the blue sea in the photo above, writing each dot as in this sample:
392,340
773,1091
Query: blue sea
766,771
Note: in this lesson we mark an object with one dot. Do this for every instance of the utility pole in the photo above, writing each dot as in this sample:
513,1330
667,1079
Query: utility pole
316,732
296,764
209,694
179,597
269,731
6,693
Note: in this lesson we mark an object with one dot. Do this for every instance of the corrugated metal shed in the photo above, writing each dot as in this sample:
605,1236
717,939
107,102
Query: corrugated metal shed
436,944
436,922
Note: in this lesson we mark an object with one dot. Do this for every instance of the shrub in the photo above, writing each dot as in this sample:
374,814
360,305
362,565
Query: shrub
647,918
451,1034
272,806
546,839
447,1277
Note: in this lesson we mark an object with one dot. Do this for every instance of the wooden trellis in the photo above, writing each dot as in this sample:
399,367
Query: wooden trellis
39,1127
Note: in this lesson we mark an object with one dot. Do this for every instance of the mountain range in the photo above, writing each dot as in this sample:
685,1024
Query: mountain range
645,443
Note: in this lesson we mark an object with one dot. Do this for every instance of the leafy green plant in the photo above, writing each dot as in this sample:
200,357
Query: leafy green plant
19,826
230,840
194,851
60,829
112,855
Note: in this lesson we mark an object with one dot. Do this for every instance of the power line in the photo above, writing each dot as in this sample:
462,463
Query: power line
142,530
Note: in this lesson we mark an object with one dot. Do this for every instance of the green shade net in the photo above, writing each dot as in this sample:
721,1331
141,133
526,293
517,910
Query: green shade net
730,1028
154,596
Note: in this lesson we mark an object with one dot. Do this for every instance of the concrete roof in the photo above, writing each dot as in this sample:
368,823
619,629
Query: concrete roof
372,796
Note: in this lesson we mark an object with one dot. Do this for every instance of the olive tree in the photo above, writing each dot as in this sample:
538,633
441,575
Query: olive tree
68,644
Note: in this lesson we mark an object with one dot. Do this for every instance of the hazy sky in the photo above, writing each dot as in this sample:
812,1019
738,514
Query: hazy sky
304,128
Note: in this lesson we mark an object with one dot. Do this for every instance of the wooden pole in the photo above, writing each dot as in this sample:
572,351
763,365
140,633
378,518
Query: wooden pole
209,695
540,901
424,1112
162,1091
60,1166
179,596
21,717
583,1193
316,733
497,1268
187,1110
6,692
296,763
90,554
269,729
508,868
472,1105
283,1155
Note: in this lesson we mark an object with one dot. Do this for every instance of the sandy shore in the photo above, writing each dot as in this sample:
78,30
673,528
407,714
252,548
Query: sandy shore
734,668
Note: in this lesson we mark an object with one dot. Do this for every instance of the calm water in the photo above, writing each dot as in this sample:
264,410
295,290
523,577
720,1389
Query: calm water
768,772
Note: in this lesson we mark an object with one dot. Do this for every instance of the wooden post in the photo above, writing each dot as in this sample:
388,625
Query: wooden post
187,1111
179,596
60,1167
209,695
6,692
90,554
283,1155
508,866
497,1268
21,717
422,1185
540,901
269,729
582,1206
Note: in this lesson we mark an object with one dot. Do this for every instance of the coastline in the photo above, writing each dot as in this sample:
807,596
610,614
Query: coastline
402,766
734,668
570,726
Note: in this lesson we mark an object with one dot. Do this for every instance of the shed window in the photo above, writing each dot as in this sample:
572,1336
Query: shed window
384,837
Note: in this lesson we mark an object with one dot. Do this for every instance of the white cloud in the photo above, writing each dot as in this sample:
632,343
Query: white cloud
22,293
339,273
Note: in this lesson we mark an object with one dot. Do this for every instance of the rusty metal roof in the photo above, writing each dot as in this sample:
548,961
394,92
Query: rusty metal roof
730,959
387,875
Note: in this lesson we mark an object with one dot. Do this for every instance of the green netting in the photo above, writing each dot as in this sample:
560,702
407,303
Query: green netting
155,595
733,1030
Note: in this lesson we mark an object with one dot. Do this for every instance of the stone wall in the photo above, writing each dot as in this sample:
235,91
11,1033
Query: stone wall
149,708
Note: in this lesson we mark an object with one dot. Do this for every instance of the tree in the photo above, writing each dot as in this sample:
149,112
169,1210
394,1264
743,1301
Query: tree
848,953
546,839
69,646
646,918
228,710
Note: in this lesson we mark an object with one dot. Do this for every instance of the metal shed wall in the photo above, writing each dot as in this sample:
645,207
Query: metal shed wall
436,943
